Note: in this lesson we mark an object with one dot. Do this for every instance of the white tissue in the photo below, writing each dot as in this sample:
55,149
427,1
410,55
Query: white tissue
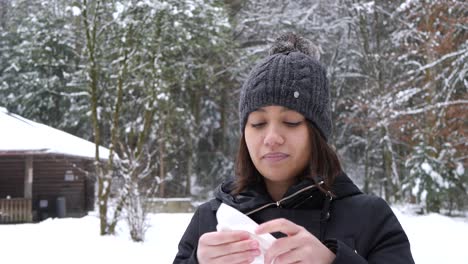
231,219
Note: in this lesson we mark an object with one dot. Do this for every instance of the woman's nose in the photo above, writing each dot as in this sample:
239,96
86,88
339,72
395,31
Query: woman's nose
273,137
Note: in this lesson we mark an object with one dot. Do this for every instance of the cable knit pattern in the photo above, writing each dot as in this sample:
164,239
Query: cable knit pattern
291,79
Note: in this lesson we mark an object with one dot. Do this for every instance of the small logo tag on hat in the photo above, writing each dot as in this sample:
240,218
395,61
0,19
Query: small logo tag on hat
296,94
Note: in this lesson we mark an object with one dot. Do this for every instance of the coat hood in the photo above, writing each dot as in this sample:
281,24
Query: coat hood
303,191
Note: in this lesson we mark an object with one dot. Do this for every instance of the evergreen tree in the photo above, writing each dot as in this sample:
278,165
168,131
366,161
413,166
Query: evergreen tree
40,60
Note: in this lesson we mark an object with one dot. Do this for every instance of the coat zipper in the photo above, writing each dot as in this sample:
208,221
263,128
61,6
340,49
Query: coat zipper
278,203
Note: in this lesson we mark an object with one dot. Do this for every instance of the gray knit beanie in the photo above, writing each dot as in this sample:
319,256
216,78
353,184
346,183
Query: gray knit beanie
292,78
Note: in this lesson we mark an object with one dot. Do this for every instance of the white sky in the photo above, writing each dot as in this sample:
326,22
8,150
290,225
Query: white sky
434,239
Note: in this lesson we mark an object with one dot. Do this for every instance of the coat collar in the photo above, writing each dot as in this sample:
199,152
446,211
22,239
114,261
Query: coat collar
304,194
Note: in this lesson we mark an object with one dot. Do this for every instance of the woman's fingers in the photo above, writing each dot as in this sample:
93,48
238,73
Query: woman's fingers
282,246
279,225
299,246
295,255
227,247
235,247
238,257
218,238
291,249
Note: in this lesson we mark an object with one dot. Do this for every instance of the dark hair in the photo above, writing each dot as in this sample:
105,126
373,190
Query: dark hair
324,163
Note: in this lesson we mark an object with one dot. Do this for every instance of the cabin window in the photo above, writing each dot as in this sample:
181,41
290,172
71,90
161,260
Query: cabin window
69,176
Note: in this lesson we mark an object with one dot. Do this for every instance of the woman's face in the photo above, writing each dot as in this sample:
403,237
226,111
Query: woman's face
278,142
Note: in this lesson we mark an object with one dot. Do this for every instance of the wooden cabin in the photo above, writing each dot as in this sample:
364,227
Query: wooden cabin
44,172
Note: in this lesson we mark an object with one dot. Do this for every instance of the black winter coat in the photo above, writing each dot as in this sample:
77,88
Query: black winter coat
359,228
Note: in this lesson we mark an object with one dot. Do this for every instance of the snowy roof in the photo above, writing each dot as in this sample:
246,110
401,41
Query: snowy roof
22,136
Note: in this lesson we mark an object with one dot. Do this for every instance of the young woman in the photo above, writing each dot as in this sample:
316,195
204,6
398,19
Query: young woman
289,180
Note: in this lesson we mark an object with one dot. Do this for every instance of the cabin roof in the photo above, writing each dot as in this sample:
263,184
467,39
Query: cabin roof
19,136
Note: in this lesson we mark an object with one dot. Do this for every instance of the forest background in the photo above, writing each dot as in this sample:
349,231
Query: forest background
157,82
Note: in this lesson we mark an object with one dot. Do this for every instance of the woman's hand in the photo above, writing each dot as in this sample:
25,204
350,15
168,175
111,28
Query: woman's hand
225,247
299,246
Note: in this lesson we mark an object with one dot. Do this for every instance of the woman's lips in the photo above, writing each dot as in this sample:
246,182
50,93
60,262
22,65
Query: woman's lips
275,156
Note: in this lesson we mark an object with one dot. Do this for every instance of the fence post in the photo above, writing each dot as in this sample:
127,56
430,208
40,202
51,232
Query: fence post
15,210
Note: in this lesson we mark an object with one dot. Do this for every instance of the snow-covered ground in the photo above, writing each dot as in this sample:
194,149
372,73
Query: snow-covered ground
434,239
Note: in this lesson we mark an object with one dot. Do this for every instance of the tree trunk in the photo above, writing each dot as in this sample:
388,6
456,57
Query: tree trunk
386,166
162,173
188,180
103,182
366,167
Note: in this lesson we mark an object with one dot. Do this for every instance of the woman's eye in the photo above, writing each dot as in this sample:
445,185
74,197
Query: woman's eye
293,124
258,125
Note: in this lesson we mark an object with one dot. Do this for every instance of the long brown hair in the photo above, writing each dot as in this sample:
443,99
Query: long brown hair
324,163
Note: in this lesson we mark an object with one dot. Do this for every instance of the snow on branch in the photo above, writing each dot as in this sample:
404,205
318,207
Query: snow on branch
309,12
434,63
427,108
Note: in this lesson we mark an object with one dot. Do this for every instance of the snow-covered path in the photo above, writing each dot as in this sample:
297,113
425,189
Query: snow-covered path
435,238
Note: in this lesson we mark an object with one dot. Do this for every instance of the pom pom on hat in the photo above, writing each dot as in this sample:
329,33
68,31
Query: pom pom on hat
292,42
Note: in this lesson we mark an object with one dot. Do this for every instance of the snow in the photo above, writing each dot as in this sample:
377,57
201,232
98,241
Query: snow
119,8
366,7
434,239
415,189
404,96
27,136
460,169
434,174
163,96
404,6
76,11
